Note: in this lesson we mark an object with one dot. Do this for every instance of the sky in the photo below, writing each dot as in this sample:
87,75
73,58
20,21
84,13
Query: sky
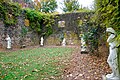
84,3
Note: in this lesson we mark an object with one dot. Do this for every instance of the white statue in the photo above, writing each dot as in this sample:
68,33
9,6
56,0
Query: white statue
83,44
112,58
8,42
64,42
41,42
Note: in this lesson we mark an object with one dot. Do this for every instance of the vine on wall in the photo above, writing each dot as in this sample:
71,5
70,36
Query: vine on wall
108,15
9,13
93,34
40,22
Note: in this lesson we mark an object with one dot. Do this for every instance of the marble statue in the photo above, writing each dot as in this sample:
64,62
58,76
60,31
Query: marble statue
64,42
8,42
41,42
83,44
112,58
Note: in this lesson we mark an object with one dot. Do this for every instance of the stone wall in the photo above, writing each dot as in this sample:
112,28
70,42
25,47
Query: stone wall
70,30
2,36
14,32
71,21
71,38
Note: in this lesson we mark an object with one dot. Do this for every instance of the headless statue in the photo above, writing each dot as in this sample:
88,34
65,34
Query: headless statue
112,58
8,42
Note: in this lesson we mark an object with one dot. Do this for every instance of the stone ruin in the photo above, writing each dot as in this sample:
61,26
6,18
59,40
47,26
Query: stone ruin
65,24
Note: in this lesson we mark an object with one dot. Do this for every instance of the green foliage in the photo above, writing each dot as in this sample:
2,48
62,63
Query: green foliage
48,6
71,5
108,15
40,22
84,10
9,12
5,1
33,64
24,31
91,35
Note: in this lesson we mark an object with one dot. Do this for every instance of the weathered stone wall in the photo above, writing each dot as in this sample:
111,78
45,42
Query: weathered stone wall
71,20
70,32
14,32
71,38
2,36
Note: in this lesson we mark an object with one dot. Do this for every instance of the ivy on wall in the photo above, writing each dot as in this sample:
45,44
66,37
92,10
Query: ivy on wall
9,12
108,15
40,22
91,35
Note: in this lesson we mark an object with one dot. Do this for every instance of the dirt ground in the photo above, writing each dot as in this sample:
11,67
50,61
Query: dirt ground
86,67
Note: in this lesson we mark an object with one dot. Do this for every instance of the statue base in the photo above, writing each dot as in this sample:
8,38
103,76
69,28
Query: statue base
41,45
107,77
104,77
9,48
63,45
84,51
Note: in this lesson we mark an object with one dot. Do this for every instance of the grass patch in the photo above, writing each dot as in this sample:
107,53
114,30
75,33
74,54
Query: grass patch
34,64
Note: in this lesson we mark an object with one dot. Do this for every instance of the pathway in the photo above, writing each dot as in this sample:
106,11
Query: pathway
85,67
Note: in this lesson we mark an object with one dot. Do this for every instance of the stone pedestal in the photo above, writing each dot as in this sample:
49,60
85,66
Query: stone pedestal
104,77
108,78
112,77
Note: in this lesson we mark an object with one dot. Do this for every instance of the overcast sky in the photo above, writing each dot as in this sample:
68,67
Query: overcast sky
84,3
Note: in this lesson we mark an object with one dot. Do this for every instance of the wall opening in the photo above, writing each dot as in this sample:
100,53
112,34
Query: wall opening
61,23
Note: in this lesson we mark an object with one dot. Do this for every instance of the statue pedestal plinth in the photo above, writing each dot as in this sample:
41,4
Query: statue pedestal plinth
107,77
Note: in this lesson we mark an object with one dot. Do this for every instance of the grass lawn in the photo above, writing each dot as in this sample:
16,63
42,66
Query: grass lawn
33,64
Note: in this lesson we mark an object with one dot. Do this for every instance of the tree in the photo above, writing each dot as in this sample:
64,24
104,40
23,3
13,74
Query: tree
47,6
70,5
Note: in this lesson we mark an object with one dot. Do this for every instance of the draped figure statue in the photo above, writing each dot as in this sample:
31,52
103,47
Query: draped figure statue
8,39
112,58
